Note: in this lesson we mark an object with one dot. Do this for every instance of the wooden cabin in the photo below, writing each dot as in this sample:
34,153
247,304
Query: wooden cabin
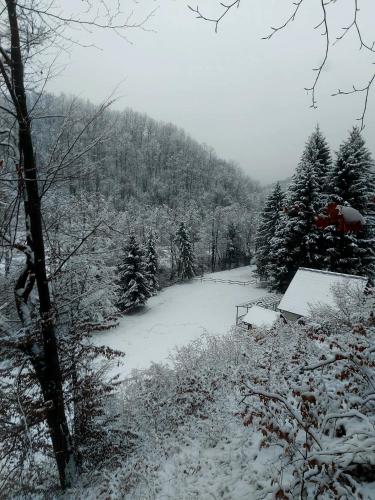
311,288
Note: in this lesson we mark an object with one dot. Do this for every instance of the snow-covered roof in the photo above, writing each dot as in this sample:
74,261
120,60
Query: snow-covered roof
311,287
261,317
351,215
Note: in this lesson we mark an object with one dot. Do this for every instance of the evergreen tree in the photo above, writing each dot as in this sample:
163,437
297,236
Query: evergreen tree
351,179
318,155
133,281
267,226
151,264
185,263
352,183
297,241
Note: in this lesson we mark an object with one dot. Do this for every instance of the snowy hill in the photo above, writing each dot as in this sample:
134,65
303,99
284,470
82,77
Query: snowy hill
143,160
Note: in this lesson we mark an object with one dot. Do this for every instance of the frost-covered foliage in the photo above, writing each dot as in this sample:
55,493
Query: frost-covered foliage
83,289
102,176
137,158
286,413
134,289
320,412
80,259
185,257
152,174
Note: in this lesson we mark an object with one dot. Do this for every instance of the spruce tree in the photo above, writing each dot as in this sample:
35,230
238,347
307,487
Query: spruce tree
318,155
266,230
133,281
185,262
151,264
351,179
297,241
351,182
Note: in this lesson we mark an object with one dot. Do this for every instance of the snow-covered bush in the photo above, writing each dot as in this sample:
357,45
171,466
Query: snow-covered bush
83,289
286,413
320,411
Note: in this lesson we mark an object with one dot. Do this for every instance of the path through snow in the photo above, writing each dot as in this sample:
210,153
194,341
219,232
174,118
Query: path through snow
178,315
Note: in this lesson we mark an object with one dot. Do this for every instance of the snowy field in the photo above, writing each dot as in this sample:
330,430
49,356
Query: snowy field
178,315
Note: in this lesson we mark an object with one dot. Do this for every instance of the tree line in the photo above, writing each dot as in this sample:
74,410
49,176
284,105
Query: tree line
289,235
138,271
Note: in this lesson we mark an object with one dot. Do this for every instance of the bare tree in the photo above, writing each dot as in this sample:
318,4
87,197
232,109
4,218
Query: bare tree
324,26
28,27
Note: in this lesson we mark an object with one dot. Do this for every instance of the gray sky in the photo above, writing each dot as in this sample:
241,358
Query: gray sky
242,95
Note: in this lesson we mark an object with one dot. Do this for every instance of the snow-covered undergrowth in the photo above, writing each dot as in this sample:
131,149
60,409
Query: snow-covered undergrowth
286,414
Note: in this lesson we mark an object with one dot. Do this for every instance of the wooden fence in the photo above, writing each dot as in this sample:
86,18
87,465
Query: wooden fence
252,281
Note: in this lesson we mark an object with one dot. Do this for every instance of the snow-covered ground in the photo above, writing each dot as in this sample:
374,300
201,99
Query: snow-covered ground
178,315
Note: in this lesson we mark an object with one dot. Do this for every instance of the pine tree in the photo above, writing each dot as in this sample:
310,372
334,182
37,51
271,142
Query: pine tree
185,263
133,282
152,264
352,183
318,155
351,179
295,237
297,241
266,230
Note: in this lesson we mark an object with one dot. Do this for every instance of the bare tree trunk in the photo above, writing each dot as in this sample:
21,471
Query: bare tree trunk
214,242
46,363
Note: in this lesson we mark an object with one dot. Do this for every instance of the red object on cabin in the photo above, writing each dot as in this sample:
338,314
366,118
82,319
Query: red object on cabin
346,219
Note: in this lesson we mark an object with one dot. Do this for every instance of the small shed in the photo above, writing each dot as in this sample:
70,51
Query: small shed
259,317
311,288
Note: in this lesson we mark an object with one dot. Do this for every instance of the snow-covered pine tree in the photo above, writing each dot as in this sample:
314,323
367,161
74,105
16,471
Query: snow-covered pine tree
185,263
151,264
318,155
133,281
295,241
351,182
266,230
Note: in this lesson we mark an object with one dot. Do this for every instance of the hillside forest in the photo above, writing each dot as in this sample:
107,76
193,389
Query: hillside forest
101,211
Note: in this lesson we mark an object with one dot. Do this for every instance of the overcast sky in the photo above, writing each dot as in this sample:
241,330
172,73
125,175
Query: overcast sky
241,95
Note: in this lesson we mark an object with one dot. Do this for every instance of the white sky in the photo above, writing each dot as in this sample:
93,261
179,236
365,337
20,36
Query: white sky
242,95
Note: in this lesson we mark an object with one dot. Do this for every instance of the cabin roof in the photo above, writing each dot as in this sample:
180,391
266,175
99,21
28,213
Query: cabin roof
261,317
311,287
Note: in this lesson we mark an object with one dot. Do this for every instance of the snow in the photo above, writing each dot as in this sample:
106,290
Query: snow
261,317
310,288
178,315
351,215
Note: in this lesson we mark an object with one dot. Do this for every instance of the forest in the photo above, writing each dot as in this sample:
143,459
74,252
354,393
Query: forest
101,212
301,228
